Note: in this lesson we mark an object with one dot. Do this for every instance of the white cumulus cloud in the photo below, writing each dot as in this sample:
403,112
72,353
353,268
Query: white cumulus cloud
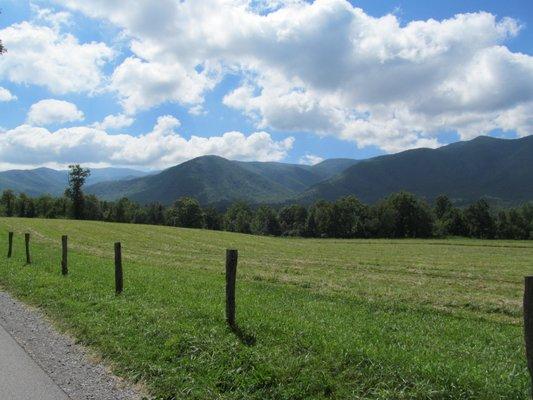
117,121
325,67
51,111
6,95
311,159
142,85
43,55
160,148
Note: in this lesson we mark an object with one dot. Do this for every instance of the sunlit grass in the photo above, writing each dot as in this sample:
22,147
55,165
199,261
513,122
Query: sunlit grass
357,319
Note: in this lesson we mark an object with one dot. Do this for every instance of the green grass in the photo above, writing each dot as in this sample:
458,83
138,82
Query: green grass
339,319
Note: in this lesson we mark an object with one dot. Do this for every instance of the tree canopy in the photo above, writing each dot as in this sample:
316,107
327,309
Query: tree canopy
401,215
76,179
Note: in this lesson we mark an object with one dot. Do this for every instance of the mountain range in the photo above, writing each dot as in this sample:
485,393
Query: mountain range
485,167
216,180
35,182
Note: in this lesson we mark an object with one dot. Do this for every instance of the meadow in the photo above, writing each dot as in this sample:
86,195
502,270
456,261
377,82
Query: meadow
318,318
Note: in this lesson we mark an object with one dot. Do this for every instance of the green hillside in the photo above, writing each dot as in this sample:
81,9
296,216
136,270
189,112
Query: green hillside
35,182
210,179
213,179
294,177
501,169
333,166
335,319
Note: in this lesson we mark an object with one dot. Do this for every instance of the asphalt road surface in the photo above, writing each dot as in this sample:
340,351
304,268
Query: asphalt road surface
38,362
21,378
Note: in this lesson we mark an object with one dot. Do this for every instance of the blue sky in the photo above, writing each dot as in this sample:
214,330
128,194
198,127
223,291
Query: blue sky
356,86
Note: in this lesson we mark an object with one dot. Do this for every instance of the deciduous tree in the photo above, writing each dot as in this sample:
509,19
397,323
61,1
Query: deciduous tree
238,218
76,179
213,219
443,206
412,217
188,213
480,221
350,217
324,219
292,220
265,222
8,202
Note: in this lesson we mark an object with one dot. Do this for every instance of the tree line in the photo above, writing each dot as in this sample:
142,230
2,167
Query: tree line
400,215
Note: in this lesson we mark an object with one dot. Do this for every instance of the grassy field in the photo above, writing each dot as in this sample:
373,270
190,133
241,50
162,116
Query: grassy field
339,319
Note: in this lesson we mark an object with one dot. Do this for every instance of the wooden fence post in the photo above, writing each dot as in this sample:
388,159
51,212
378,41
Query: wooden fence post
64,255
118,269
528,323
10,245
27,241
231,275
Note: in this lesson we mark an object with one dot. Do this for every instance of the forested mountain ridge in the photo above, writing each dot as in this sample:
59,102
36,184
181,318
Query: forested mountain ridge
35,182
485,167
213,179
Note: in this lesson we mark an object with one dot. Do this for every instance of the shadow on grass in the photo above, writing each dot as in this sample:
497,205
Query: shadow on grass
246,338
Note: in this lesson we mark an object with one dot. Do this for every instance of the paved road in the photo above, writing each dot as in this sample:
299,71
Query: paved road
21,378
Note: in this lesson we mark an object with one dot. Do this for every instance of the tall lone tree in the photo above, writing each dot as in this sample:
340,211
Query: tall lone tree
76,179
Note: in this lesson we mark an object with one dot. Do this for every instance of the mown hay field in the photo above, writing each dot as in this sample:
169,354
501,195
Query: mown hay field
318,318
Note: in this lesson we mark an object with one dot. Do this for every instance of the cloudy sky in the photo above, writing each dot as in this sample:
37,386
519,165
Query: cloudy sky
150,84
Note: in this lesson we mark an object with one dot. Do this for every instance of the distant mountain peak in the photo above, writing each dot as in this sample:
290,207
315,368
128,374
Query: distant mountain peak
214,179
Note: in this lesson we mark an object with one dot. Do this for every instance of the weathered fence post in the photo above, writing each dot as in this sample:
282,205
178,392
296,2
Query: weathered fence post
10,245
231,275
528,323
118,268
27,241
64,254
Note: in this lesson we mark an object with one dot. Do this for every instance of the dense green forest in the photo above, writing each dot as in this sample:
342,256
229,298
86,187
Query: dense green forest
401,215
